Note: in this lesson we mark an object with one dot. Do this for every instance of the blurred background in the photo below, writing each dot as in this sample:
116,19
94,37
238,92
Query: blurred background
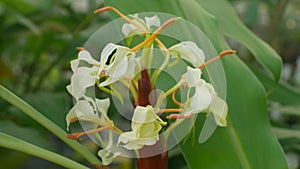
39,38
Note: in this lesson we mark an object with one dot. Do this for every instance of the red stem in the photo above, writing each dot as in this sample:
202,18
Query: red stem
159,161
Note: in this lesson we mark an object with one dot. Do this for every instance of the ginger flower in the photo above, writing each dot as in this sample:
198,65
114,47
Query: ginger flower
83,76
145,129
139,26
205,98
89,110
188,51
117,62
94,112
107,154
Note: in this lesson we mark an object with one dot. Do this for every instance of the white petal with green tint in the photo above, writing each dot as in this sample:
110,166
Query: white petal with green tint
192,77
80,80
188,51
152,21
86,56
219,109
145,129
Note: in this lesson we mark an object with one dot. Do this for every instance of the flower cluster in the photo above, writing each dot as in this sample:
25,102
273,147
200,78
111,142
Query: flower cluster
122,64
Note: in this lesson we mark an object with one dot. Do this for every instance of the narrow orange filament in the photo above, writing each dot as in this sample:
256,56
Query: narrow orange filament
80,49
155,34
170,110
76,136
222,54
107,8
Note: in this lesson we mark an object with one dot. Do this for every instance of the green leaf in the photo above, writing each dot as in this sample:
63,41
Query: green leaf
247,141
278,92
12,159
27,134
23,20
19,145
232,27
53,105
48,124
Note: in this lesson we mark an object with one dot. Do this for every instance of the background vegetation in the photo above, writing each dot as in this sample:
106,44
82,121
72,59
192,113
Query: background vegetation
38,40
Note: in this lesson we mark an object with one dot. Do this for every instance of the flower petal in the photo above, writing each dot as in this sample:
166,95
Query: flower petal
86,56
219,109
72,114
201,100
130,30
80,80
105,54
152,21
74,65
143,114
103,105
84,108
188,51
192,76
107,154
119,66
122,67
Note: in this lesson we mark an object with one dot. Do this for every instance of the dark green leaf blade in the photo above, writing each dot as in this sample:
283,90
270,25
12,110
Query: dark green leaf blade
231,25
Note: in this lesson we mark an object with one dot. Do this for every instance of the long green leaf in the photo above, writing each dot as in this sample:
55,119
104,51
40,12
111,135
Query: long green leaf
278,92
19,145
231,25
48,124
247,141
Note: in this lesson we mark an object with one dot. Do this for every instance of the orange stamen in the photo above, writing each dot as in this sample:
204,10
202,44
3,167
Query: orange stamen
107,8
178,116
71,136
222,54
80,49
170,110
155,34
76,136
174,98
74,119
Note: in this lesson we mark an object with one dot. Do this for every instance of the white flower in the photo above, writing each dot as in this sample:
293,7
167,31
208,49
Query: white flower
122,63
107,154
205,98
130,29
89,109
95,112
145,129
83,76
188,51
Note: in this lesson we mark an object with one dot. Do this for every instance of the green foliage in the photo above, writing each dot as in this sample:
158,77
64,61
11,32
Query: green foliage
38,39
